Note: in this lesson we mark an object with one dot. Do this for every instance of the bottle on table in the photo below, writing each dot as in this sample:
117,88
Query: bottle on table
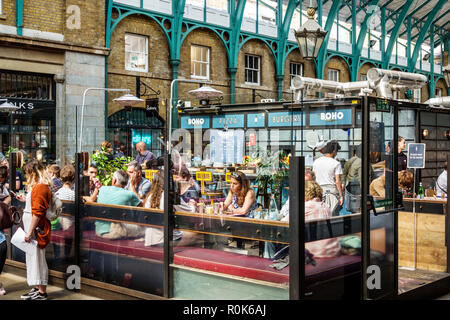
421,193
273,210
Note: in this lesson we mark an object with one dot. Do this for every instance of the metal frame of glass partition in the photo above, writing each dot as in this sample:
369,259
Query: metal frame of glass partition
298,231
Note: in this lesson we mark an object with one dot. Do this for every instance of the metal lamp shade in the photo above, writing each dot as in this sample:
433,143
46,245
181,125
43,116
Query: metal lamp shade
205,92
128,100
8,107
446,72
310,37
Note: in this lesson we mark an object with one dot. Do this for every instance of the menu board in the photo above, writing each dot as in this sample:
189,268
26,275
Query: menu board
416,155
226,147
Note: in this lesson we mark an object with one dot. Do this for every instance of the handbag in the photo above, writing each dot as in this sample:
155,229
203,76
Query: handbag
54,209
9,216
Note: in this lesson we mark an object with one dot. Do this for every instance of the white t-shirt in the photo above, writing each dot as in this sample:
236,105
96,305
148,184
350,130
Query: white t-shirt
441,184
326,169
65,193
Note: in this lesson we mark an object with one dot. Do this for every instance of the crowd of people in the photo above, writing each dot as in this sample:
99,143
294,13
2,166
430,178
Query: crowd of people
327,187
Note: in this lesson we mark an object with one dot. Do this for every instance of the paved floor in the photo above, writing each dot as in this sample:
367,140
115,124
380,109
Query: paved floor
16,286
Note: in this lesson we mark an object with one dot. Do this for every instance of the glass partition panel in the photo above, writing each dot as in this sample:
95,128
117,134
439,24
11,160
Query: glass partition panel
332,141
231,171
122,245
422,232
381,267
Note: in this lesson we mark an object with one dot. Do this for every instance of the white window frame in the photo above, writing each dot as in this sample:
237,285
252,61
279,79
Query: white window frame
438,92
129,68
257,70
330,72
207,62
297,66
363,77
417,95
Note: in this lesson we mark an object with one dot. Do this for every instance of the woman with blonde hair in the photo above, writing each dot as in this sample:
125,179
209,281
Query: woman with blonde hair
37,227
155,200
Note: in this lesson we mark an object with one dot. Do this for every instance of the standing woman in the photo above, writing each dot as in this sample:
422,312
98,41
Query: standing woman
402,158
328,175
34,216
241,197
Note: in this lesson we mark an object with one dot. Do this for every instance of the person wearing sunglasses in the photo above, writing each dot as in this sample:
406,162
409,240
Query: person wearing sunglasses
241,199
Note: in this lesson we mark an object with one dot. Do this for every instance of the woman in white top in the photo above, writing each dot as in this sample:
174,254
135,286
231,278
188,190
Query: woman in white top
155,200
328,175
66,192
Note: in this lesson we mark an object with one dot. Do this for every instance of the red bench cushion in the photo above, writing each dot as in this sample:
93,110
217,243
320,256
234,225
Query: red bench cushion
230,263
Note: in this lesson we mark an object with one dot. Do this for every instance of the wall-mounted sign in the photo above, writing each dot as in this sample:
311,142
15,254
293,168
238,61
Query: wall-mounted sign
286,119
194,122
229,121
336,117
256,120
138,136
383,105
416,155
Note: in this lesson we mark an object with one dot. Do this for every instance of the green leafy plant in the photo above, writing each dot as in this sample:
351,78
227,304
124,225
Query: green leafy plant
10,149
107,166
271,173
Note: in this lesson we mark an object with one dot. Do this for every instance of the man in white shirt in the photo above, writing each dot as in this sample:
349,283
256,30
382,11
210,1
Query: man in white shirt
441,183
328,175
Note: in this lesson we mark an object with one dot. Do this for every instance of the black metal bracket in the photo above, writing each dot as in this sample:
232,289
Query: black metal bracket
140,83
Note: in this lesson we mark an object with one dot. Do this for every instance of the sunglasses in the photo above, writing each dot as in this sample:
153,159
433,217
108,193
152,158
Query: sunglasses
236,176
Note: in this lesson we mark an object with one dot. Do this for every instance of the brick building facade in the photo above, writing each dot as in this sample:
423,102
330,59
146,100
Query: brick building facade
61,42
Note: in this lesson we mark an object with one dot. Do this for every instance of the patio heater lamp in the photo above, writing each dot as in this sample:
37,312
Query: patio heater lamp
446,72
310,36
205,93
9,108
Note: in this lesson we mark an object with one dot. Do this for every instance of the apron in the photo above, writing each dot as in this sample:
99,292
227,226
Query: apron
331,198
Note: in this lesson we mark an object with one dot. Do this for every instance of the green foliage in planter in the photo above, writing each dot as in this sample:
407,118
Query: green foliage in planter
10,149
272,171
107,167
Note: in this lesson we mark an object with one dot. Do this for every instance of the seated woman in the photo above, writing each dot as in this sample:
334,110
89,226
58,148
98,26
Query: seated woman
316,209
241,199
188,187
405,182
155,200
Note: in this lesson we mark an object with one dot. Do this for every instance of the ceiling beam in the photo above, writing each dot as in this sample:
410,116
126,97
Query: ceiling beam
431,16
394,33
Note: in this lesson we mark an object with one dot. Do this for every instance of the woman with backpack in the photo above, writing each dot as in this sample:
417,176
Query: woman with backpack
37,227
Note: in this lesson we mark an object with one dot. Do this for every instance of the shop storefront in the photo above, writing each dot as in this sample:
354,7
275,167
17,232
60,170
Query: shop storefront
128,127
33,125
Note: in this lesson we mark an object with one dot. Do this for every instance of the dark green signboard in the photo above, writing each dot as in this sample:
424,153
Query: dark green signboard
383,105
383,203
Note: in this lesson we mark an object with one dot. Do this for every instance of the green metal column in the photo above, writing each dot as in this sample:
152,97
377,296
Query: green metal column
283,26
320,61
394,34
175,48
432,82
361,37
236,16
232,73
423,32
19,17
